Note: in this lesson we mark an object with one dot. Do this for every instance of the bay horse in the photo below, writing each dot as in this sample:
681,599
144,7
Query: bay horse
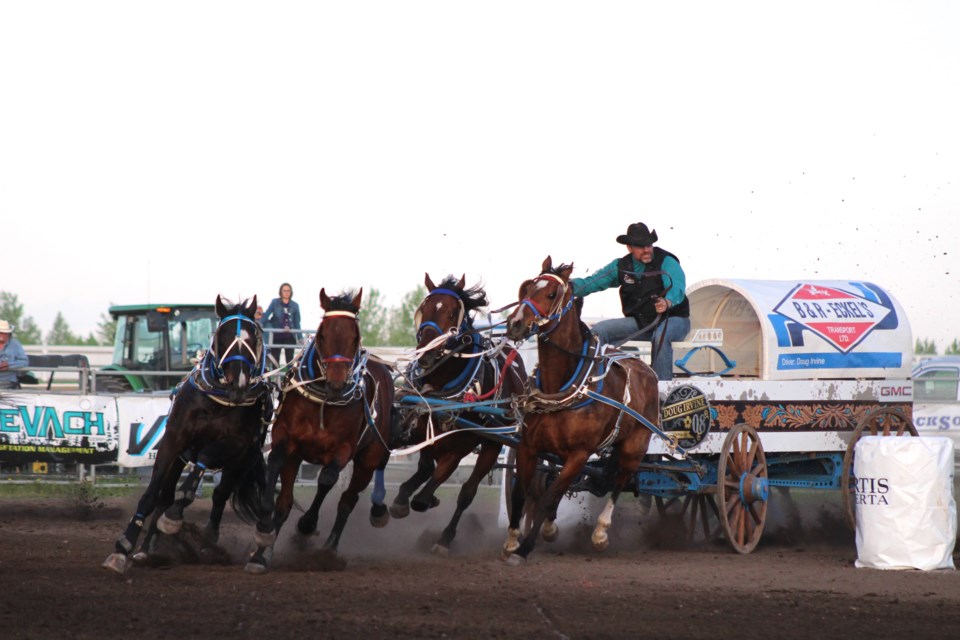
335,407
218,420
456,364
567,414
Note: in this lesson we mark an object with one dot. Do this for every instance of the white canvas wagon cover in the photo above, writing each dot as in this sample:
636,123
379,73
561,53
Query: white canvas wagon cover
804,329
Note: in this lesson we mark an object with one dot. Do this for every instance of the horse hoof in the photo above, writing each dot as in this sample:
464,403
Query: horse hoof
255,568
420,506
139,556
168,526
116,562
379,520
210,536
306,526
514,560
550,531
264,539
601,542
399,510
440,550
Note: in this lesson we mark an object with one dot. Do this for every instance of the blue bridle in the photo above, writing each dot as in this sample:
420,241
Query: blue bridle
429,324
217,362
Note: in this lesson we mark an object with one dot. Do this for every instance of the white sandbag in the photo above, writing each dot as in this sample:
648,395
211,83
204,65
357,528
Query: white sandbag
906,514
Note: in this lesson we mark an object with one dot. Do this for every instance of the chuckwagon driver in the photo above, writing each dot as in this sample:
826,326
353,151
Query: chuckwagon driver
12,356
652,296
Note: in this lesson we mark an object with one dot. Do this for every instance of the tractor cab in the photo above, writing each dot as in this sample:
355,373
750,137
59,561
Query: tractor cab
156,344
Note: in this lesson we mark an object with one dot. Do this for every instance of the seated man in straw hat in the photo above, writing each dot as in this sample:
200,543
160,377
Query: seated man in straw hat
12,356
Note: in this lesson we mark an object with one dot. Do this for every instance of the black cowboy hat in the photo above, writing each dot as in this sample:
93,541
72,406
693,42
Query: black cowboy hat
638,235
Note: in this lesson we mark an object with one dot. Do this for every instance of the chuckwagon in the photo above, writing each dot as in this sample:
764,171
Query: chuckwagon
781,381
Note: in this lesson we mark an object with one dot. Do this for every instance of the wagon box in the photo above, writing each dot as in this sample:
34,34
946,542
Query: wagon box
812,358
805,329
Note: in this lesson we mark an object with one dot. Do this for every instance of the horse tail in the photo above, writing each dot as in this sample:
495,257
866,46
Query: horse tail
250,488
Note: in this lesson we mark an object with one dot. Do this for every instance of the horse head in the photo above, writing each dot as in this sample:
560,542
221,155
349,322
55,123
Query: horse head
443,318
237,347
338,338
543,301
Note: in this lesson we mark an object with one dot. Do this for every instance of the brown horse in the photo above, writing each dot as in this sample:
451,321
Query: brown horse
573,411
335,407
457,365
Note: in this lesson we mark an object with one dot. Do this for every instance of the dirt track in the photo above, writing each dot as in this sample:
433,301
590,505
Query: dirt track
796,584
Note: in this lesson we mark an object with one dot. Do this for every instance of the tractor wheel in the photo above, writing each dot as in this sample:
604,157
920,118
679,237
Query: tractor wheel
114,384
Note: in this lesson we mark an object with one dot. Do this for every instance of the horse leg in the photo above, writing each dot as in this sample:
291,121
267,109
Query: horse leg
221,493
524,468
379,515
164,500
401,504
172,519
326,480
572,467
485,461
275,516
446,464
600,538
362,473
627,458
550,530
167,467
274,511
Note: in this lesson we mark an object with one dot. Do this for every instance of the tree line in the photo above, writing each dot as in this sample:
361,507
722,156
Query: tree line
924,347
29,332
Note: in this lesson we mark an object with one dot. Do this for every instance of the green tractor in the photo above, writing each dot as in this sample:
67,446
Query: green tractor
156,345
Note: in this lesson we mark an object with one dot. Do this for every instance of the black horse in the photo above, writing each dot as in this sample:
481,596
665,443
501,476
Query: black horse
456,365
218,420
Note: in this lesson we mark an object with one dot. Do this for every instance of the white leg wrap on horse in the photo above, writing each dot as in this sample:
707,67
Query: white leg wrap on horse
168,526
550,530
513,540
264,539
600,538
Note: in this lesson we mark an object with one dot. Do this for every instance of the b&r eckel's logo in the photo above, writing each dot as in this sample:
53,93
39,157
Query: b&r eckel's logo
840,317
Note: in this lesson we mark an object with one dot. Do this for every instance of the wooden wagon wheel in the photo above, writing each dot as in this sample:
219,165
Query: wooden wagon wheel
885,421
742,488
697,511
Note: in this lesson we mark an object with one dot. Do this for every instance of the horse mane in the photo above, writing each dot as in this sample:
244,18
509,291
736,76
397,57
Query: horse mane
231,308
557,270
473,297
343,302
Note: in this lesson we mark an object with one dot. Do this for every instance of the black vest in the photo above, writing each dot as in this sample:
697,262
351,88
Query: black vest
638,293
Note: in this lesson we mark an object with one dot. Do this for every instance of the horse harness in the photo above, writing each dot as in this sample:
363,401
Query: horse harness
585,386
207,375
307,377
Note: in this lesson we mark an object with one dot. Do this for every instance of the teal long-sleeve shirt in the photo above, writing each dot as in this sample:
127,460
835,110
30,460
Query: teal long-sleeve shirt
606,278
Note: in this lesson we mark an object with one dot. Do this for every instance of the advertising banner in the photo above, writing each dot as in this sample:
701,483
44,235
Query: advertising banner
50,428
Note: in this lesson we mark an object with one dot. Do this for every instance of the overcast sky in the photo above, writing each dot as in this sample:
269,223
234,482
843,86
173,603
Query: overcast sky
168,152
